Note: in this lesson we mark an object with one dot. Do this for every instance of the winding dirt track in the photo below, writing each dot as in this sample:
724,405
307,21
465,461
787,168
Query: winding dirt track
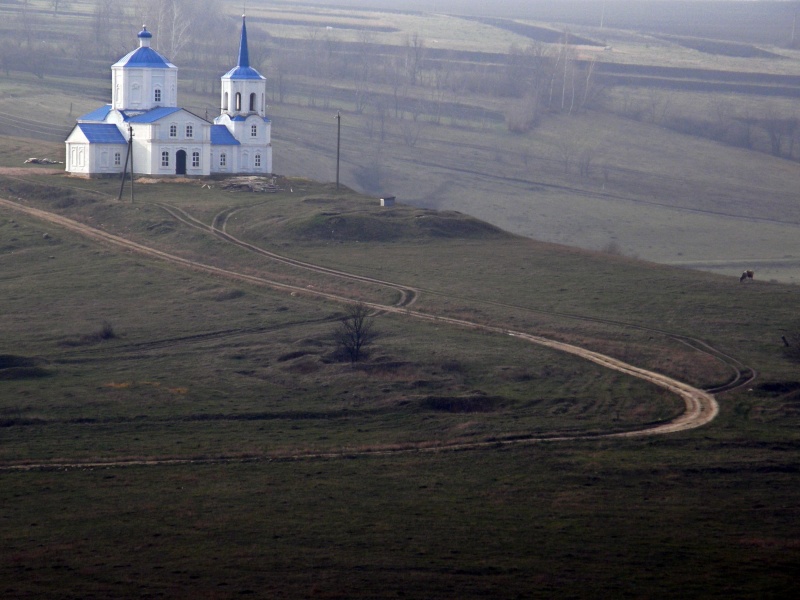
408,295
700,406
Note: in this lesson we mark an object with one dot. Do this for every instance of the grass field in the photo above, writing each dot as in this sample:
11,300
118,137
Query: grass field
278,499
171,431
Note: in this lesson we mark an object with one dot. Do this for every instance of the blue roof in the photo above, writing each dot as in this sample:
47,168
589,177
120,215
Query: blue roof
244,54
243,73
245,117
99,114
144,57
220,136
151,116
102,133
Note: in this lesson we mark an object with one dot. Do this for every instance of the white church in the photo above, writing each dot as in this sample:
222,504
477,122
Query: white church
164,138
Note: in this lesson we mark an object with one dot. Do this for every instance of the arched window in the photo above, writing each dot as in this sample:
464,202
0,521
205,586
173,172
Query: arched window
157,95
252,103
258,161
225,101
238,101
253,130
223,159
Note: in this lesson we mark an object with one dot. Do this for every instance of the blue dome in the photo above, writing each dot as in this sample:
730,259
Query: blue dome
243,73
144,57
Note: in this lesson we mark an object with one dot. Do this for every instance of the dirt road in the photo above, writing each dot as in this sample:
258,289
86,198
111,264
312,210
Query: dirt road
700,406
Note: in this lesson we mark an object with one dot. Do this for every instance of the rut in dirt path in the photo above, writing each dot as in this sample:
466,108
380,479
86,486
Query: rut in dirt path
408,295
741,374
700,406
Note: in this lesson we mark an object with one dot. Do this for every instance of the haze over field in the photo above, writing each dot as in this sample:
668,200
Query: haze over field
280,387
688,17
670,133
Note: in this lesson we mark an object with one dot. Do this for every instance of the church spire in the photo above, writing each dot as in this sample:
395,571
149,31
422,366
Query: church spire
244,55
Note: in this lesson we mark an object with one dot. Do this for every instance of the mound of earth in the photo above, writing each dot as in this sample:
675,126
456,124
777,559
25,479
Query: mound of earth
390,224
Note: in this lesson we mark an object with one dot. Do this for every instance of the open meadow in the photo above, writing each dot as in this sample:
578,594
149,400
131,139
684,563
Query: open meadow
166,432
569,393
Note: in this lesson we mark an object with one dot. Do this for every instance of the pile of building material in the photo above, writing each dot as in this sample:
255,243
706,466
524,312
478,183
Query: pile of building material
43,161
264,185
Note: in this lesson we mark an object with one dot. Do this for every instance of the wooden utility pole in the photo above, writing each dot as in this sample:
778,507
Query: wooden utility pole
338,144
128,156
130,145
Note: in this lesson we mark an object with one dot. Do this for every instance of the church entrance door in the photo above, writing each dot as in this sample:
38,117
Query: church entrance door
180,162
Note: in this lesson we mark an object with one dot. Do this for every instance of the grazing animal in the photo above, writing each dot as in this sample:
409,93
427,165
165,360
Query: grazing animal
747,275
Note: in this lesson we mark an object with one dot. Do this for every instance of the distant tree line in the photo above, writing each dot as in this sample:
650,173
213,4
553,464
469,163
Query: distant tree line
396,88
769,127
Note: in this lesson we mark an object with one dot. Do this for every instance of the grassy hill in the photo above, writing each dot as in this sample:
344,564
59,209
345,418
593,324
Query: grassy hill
177,421
285,458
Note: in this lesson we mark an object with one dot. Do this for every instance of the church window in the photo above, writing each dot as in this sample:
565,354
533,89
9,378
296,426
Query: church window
189,131
165,159
252,103
258,161
173,131
157,95
238,101
223,159
254,131
225,101
195,159
117,159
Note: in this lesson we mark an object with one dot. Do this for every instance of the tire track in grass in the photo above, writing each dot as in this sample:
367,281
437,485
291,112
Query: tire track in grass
408,295
700,406
741,373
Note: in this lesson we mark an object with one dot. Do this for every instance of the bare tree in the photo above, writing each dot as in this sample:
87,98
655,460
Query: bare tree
355,331
109,18
58,4
362,69
523,114
657,105
172,20
778,129
441,87
410,131
415,54
568,146
399,82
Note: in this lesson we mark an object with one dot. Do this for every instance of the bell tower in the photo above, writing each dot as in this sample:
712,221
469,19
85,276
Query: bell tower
243,90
